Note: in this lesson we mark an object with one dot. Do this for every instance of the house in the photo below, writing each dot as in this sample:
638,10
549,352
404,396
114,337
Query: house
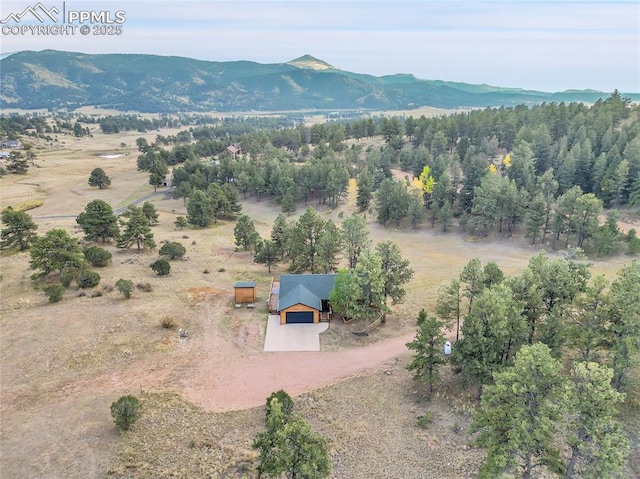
304,298
13,144
245,292
235,149
4,155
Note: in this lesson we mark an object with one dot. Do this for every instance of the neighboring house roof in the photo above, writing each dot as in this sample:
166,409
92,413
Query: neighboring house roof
307,289
234,148
245,284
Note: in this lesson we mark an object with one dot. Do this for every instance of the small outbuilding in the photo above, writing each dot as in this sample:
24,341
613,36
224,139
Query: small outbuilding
245,291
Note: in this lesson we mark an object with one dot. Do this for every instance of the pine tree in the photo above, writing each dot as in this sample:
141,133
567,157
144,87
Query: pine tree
330,247
56,251
200,209
588,326
449,305
304,240
428,355
396,271
266,253
149,212
280,234
355,238
136,229
243,232
520,414
20,230
289,447
99,178
492,333
98,222
535,218
598,444
365,190
625,322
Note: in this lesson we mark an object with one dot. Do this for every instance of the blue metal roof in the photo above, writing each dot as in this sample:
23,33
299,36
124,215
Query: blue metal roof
307,289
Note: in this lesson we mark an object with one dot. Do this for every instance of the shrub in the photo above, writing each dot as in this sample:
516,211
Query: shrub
180,222
54,292
633,242
125,286
96,294
172,250
97,256
425,421
145,287
161,267
284,399
168,322
88,279
67,277
125,411
457,428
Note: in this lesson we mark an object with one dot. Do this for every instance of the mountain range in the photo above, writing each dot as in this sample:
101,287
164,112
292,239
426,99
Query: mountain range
57,80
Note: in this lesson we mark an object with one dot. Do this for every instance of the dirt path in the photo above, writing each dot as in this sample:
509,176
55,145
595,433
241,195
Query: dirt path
222,383
220,373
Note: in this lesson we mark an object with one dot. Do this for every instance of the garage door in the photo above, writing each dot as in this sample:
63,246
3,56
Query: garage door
300,317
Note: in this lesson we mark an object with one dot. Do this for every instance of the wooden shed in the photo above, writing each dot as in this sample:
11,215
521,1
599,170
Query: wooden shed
245,291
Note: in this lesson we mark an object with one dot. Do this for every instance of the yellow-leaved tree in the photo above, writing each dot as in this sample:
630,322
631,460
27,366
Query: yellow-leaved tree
428,182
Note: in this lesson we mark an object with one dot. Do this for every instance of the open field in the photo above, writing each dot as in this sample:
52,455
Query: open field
62,365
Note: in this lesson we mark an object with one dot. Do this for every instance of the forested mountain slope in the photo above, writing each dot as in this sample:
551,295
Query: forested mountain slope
150,83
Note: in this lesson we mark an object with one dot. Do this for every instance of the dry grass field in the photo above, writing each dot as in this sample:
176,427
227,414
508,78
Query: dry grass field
63,364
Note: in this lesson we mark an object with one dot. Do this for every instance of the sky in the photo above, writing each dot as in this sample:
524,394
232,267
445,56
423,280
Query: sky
539,45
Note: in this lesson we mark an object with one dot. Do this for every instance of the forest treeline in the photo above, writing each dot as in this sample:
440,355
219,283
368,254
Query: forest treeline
548,172
13,125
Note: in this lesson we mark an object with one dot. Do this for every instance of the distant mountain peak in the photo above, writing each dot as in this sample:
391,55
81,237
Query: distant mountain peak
311,63
52,79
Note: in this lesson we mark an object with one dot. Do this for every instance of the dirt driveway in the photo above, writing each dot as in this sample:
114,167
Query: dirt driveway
222,378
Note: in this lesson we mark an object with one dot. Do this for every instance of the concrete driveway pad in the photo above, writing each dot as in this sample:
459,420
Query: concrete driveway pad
292,337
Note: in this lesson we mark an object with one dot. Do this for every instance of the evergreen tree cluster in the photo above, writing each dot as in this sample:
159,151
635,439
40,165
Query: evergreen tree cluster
549,351
288,446
545,171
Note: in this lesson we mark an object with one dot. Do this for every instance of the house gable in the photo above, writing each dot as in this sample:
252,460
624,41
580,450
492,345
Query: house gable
299,295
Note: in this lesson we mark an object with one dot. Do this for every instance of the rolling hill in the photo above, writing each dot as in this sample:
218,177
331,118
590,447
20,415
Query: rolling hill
161,84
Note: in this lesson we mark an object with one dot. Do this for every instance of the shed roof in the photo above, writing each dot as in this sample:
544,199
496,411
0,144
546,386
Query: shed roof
307,289
245,284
